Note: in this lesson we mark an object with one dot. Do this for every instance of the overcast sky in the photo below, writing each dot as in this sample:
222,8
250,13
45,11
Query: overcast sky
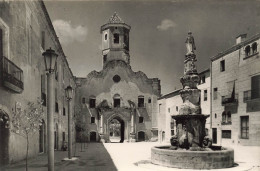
158,32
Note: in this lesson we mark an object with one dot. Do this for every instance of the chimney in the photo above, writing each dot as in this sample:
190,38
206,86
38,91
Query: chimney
240,38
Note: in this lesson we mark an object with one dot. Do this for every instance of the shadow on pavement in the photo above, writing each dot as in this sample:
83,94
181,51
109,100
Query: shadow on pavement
94,158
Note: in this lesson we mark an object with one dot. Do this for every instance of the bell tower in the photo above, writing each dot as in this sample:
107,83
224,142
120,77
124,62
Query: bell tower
115,40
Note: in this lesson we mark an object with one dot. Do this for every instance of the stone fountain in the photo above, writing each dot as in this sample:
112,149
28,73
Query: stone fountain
191,147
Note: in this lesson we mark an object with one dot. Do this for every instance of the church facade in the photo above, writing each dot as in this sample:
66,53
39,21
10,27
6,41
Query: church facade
117,92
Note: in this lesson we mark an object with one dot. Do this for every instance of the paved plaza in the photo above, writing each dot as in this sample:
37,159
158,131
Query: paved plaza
127,157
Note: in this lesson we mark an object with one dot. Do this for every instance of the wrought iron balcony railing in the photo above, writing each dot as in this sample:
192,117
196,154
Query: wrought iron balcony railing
251,95
12,75
230,100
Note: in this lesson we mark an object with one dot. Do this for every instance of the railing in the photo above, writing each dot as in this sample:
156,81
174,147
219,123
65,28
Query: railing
12,75
230,100
251,95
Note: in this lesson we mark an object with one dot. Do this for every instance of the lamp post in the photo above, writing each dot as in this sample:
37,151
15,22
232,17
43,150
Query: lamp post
68,92
50,58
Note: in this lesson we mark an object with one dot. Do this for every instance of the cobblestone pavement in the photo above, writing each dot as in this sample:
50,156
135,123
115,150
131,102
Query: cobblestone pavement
127,157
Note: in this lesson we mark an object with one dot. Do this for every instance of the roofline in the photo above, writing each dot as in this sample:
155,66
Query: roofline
235,47
55,35
171,94
204,71
103,27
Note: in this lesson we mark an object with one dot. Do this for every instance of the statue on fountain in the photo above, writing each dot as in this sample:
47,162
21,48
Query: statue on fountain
190,123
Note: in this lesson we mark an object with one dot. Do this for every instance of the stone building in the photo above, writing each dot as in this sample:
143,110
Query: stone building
236,93
117,92
169,104
26,32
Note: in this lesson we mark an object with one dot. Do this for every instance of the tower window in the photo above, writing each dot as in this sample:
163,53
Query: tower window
116,38
105,36
149,100
83,100
116,100
222,66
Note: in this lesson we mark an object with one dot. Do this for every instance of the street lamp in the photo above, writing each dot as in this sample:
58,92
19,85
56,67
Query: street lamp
50,58
68,92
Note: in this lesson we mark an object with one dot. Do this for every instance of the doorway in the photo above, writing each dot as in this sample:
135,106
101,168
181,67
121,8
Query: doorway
214,135
117,130
141,136
4,138
93,136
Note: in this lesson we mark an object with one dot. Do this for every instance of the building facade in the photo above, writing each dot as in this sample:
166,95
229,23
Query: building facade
169,104
26,32
117,92
236,93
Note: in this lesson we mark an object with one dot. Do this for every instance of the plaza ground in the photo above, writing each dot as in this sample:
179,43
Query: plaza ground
127,157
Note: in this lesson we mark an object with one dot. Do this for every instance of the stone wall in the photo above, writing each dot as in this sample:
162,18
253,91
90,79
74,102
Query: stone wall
23,24
239,68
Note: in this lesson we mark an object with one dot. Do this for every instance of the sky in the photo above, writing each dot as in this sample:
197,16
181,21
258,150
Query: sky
158,32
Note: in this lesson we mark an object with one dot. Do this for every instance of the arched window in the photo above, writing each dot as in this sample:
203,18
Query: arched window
116,38
116,100
105,36
247,50
254,47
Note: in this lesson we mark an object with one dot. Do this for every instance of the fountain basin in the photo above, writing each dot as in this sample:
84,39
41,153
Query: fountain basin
186,159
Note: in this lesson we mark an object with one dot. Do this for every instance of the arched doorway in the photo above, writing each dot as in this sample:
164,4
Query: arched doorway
116,129
141,136
93,136
41,137
56,138
4,138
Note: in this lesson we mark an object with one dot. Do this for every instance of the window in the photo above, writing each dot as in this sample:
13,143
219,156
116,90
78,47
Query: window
57,107
215,115
43,40
160,105
172,124
116,38
43,96
203,79
92,120
169,110
247,95
83,100
105,36
205,95
64,111
141,119
215,95
116,78
92,102
254,47
226,117
140,101
104,58
226,134
149,100
222,65
63,136
177,108
255,87
247,50
244,127
116,100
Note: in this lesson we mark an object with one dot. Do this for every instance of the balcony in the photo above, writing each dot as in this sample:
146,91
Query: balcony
226,123
230,101
11,75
